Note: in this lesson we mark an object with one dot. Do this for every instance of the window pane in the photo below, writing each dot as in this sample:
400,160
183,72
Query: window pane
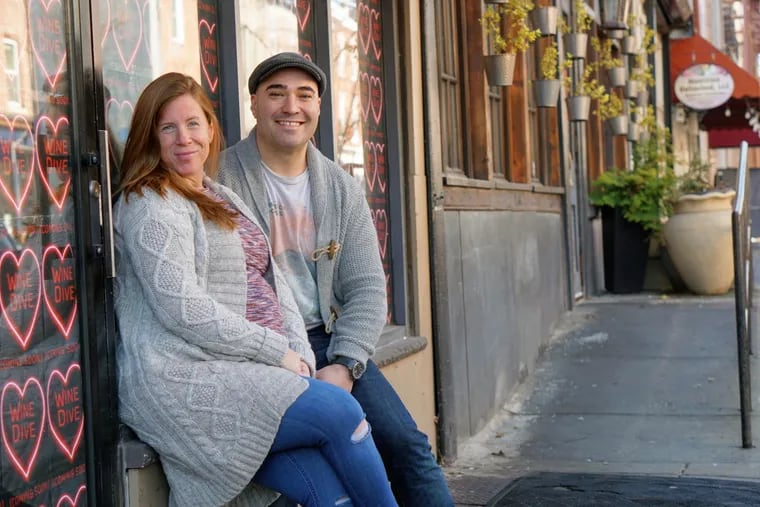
136,49
266,27
359,110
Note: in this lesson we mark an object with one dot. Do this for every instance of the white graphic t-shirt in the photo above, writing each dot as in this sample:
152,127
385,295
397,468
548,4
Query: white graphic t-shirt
293,237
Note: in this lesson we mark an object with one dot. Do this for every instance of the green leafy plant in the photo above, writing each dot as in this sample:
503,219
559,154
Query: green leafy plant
549,61
507,24
645,193
696,178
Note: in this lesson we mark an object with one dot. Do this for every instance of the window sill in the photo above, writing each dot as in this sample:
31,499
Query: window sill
394,345
501,184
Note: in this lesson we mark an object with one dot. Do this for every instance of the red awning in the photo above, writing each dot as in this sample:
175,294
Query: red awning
695,50
731,138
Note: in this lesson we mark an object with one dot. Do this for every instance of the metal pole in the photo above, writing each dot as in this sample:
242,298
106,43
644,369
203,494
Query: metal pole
742,287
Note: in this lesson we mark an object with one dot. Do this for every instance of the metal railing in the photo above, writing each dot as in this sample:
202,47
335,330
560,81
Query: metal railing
743,287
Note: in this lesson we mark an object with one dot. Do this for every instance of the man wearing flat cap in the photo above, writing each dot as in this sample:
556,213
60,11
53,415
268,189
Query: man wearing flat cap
323,238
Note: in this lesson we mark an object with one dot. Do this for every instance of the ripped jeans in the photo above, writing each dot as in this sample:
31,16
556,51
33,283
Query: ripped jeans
324,455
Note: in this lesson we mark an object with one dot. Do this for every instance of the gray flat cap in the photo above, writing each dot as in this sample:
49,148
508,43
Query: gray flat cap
286,61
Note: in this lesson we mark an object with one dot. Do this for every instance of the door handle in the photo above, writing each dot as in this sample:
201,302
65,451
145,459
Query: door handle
106,207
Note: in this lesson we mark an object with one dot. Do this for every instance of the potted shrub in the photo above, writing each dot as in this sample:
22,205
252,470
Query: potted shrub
634,205
608,61
575,35
546,90
698,236
507,26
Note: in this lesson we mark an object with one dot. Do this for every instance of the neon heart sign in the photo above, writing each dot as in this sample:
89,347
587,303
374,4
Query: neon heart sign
123,32
53,154
64,414
48,38
22,423
20,294
15,151
208,59
59,288
67,500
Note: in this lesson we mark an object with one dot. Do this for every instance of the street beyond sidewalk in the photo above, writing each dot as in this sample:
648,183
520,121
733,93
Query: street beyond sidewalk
643,384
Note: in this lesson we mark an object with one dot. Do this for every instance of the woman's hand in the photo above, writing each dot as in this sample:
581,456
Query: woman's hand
292,361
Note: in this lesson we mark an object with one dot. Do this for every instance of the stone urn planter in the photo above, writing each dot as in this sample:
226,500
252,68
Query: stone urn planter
699,241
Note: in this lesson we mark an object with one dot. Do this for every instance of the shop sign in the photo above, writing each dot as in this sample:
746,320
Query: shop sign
704,86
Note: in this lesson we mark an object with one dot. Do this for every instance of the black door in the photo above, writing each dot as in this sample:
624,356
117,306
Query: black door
57,401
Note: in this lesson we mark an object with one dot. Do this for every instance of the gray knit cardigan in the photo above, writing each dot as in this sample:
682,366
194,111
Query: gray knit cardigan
197,381
352,283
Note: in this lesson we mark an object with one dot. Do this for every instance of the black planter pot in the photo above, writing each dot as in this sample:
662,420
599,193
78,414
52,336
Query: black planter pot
625,247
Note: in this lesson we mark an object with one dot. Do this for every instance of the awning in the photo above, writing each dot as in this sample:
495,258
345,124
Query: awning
731,138
695,50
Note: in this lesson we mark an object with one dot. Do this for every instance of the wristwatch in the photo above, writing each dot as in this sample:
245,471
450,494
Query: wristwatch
355,368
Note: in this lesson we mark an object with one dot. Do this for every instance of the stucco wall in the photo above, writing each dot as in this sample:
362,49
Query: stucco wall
507,288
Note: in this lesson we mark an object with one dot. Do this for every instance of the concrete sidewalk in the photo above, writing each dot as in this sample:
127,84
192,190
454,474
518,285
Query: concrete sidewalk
641,384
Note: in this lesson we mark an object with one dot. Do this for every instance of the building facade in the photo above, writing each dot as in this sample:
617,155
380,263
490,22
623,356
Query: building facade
479,196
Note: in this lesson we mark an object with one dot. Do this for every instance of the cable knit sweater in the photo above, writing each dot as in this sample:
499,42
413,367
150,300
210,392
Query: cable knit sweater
197,381
352,283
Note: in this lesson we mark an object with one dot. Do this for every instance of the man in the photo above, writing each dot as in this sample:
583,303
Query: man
324,240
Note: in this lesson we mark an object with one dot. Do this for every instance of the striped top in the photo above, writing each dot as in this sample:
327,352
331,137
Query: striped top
262,305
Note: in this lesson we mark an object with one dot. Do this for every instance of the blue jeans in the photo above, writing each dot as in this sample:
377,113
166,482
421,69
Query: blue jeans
416,478
319,442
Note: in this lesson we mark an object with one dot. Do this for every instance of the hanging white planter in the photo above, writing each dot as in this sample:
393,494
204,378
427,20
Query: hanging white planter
618,125
614,33
634,130
642,98
544,19
576,44
630,45
546,92
578,107
500,69
616,76
631,89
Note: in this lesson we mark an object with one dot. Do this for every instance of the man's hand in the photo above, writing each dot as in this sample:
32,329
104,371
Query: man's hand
338,375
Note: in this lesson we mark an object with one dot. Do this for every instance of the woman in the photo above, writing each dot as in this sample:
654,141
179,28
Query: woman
214,365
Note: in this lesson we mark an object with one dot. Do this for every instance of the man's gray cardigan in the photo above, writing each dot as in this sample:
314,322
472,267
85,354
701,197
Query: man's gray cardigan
352,283
197,381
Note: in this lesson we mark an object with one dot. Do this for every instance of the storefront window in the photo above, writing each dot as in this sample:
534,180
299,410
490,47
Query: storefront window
357,87
359,112
266,27
136,50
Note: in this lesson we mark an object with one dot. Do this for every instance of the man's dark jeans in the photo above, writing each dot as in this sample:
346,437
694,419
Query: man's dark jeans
416,478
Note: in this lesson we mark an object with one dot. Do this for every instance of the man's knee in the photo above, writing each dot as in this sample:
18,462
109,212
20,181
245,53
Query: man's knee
361,432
